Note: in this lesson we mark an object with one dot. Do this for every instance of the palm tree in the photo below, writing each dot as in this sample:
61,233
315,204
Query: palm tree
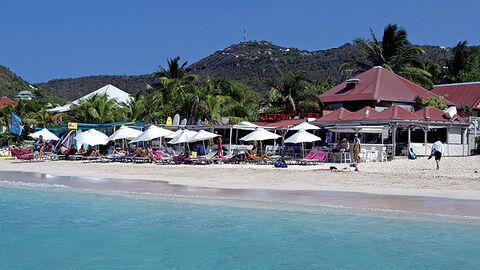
98,109
152,108
42,118
5,114
175,70
134,109
288,91
464,65
395,53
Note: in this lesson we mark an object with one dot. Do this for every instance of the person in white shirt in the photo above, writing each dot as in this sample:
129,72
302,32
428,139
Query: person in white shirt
437,150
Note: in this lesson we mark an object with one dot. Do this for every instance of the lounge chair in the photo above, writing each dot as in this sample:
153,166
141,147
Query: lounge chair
210,158
70,152
256,160
24,157
305,160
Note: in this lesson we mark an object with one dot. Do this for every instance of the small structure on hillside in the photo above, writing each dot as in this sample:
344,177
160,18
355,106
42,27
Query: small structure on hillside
24,95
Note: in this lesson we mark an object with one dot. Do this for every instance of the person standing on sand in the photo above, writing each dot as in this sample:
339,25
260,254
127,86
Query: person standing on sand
437,150
220,147
356,149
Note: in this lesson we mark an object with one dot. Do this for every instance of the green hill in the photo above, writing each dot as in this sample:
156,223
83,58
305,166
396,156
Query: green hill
11,84
250,62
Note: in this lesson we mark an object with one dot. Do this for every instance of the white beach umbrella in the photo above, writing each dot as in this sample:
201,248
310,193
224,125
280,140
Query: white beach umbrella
174,134
45,133
92,137
305,126
302,136
260,134
203,135
153,132
183,137
124,132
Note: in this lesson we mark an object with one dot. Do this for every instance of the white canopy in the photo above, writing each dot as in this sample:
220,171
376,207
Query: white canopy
302,136
151,133
174,134
245,125
92,137
203,135
305,126
260,134
111,91
124,132
45,133
183,137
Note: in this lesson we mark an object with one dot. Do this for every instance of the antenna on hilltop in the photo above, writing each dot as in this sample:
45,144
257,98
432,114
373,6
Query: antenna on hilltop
244,34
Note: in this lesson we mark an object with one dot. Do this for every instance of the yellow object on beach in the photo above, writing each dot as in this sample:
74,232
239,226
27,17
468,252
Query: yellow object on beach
169,121
6,154
193,155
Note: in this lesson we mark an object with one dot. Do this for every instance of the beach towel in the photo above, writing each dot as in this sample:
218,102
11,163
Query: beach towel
321,155
310,154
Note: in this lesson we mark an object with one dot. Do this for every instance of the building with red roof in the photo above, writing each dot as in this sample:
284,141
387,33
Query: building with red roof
6,101
378,88
461,94
335,116
437,115
396,112
362,114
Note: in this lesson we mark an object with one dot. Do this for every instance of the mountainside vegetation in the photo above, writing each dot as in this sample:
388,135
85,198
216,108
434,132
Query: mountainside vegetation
11,84
250,62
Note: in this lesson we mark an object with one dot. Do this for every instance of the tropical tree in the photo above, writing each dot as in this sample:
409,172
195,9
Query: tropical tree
98,109
464,65
288,91
5,114
151,105
175,70
134,109
395,53
42,118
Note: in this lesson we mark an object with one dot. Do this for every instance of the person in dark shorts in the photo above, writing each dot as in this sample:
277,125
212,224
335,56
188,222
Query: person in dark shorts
437,150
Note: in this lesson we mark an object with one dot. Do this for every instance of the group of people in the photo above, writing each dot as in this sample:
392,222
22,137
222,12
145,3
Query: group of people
344,146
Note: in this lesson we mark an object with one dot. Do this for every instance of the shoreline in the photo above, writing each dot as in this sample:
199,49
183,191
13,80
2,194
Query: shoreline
387,178
296,185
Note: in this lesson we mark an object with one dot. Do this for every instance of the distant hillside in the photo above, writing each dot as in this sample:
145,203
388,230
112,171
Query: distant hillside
11,84
250,62
73,88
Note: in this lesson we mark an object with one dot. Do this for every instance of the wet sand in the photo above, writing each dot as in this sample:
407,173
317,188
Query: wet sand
469,209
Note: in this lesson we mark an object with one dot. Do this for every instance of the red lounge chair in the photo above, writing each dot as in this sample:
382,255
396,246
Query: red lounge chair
22,157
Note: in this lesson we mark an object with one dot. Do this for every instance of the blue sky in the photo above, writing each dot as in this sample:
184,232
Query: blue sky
43,40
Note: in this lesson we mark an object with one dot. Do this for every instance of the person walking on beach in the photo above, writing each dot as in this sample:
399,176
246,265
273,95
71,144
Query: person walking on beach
437,150
356,149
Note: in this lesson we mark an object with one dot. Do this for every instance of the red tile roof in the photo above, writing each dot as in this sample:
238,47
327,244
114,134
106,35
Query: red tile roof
362,114
281,123
460,93
337,115
377,84
6,101
395,113
435,114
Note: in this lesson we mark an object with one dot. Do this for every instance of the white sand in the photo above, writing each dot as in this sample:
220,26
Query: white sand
456,179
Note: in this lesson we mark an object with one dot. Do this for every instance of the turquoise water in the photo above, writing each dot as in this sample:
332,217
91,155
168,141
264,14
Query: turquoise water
59,228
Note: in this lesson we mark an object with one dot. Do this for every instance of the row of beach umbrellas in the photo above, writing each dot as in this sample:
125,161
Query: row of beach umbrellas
94,137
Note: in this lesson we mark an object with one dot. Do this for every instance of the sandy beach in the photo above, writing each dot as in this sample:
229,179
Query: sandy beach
456,179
